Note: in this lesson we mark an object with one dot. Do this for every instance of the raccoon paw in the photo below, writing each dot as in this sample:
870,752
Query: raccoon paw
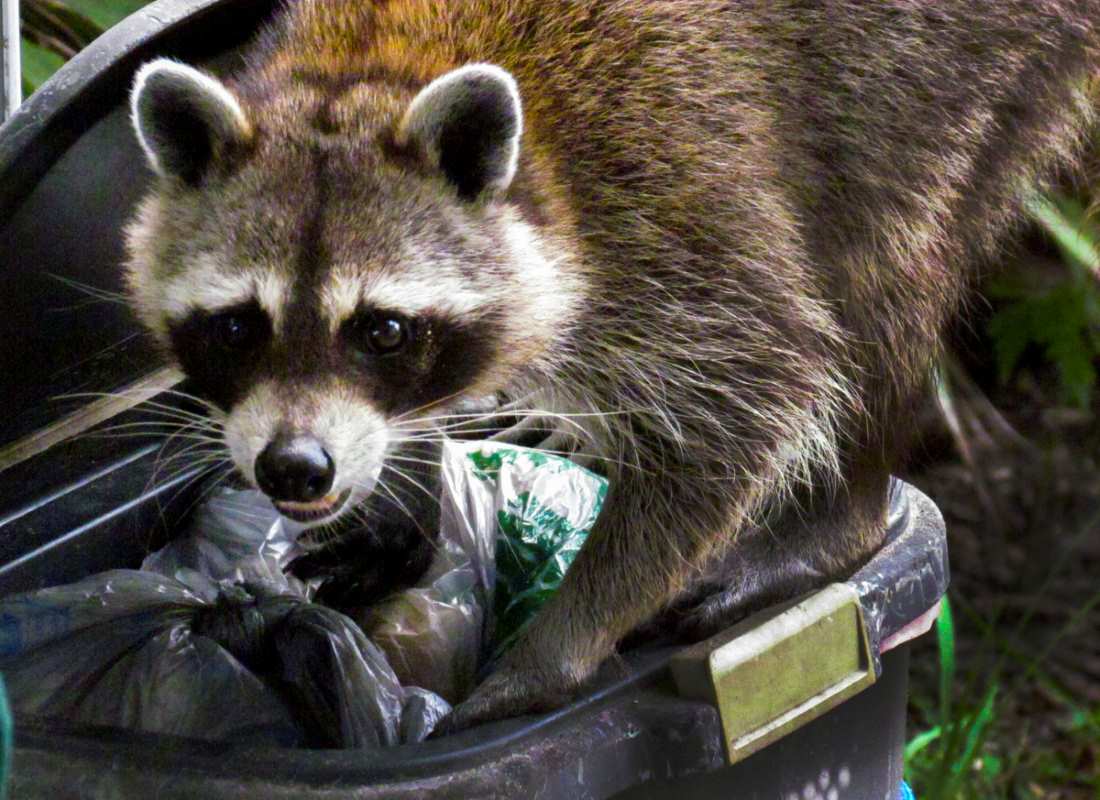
313,565
509,692
710,616
345,583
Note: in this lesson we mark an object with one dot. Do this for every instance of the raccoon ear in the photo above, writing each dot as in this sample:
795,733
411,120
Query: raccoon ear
468,123
184,119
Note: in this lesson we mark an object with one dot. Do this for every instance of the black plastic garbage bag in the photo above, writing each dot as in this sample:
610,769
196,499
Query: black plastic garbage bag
138,650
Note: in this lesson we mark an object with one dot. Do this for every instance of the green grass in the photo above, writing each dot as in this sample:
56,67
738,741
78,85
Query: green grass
977,747
946,760
54,30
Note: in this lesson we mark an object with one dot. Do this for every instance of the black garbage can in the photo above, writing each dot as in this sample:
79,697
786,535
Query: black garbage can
802,701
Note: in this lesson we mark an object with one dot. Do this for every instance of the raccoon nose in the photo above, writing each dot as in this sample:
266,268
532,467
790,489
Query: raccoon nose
295,468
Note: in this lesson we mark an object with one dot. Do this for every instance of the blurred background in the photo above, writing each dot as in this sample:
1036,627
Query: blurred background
1005,699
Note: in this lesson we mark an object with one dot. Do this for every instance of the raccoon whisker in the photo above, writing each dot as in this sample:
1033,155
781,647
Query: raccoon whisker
151,407
406,493
411,460
96,354
149,429
202,470
194,454
209,490
392,492
128,394
194,398
192,460
168,431
159,410
190,452
518,412
148,435
434,436
162,476
397,471
153,429
397,501
102,295
198,424
424,407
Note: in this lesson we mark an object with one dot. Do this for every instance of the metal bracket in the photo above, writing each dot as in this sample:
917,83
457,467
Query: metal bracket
11,71
778,670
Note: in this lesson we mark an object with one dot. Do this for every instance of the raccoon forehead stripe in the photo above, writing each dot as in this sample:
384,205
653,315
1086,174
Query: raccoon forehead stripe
210,291
412,296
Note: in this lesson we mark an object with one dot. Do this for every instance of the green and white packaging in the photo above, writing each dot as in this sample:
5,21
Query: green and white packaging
524,514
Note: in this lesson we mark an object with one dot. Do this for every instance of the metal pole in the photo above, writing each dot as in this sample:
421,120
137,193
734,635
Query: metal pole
11,72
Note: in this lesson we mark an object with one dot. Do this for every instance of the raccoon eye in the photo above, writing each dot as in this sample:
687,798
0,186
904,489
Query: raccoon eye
380,334
387,335
235,330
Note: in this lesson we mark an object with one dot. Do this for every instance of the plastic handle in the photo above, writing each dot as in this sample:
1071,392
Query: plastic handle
777,670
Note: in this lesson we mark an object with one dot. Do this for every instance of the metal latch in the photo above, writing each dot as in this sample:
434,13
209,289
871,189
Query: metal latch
777,670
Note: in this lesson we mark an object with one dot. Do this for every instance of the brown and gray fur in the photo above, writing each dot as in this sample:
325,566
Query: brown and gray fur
752,221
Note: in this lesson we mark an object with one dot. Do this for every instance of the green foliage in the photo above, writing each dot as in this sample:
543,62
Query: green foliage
105,13
946,761
966,752
38,64
55,30
1063,320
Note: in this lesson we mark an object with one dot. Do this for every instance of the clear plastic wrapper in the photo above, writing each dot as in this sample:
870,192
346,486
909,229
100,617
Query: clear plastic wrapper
432,633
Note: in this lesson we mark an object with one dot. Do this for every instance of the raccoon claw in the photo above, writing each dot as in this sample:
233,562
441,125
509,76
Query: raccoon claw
710,616
509,692
312,565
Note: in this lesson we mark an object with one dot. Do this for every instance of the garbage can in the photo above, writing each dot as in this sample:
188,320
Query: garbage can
806,700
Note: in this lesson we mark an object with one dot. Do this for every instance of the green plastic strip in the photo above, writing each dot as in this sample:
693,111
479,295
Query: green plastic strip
6,726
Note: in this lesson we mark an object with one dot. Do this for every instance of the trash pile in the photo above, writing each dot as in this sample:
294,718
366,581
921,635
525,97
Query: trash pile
211,639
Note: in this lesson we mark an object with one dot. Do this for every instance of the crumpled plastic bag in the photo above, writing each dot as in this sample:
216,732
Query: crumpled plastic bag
137,650
211,639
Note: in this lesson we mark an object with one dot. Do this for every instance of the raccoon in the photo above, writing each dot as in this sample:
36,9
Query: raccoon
718,239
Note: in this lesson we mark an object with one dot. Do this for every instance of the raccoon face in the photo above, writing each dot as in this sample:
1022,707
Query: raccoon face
338,269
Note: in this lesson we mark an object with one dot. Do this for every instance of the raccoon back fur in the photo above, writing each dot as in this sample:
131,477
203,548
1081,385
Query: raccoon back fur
723,238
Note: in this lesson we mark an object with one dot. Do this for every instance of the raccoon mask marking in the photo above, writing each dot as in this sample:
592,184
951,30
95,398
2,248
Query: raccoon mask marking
331,290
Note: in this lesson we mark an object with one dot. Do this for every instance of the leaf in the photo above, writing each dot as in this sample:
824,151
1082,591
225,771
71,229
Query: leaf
945,635
55,19
920,742
1010,331
976,727
1068,225
38,65
992,766
1076,370
1063,322
105,13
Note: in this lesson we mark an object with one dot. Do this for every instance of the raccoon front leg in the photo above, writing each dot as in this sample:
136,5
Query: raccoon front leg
651,537
820,536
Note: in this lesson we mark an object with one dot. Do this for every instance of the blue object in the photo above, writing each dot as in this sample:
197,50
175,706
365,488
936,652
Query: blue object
905,793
